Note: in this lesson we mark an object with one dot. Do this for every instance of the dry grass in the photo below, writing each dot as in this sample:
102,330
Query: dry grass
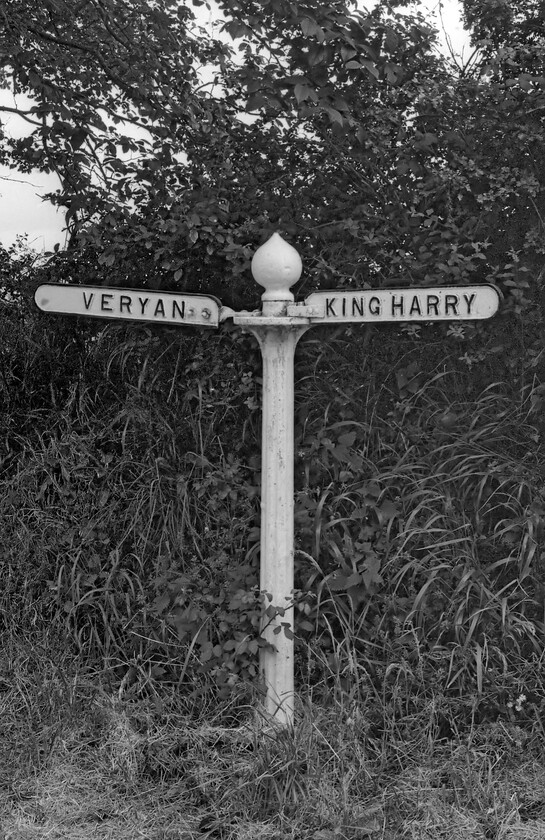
123,769
95,783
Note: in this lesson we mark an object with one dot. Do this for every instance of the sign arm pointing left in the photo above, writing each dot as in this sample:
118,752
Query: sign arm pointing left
134,305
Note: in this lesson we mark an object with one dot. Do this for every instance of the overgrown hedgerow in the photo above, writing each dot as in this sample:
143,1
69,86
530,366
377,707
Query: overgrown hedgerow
131,513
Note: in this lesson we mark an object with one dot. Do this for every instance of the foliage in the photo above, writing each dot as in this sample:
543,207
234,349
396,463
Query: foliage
103,484
418,529
92,70
497,23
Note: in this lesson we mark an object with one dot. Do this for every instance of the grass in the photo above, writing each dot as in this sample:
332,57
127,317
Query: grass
81,761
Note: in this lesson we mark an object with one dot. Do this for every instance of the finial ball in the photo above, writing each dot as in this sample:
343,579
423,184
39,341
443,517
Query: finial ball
276,266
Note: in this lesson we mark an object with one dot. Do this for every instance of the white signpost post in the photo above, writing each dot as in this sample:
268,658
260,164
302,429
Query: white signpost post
278,326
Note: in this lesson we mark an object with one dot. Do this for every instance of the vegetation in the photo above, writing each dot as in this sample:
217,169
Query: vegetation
129,605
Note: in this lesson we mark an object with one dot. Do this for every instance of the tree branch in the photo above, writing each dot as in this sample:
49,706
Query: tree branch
20,113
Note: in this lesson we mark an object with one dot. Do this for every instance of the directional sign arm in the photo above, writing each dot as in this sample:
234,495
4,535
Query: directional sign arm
445,303
111,303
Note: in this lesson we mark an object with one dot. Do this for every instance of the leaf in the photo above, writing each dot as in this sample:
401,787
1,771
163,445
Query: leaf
388,510
334,115
308,626
311,29
257,101
353,580
370,66
236,29
316,55
370,573
288,632
263,100
342,581
77,138
307,27
393,73
348,53
34,79
391,40
303,92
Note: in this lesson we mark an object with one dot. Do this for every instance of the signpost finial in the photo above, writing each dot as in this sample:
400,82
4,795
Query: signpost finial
276,266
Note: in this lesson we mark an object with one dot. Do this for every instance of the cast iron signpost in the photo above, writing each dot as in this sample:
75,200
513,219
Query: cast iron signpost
278,326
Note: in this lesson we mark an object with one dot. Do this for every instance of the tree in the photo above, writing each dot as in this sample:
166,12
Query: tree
96,72
178,153
500,23
343,129
199,179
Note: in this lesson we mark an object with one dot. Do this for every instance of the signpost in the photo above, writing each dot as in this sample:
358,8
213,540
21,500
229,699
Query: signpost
278,327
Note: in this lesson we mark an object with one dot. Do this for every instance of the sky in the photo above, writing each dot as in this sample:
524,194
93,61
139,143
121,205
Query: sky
22,208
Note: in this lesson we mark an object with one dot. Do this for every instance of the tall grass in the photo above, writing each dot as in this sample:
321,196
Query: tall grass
421,541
